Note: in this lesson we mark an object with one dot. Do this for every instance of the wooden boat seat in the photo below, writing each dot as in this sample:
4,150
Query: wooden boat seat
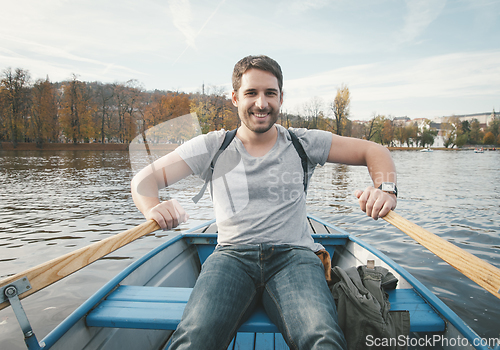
162,307
157,308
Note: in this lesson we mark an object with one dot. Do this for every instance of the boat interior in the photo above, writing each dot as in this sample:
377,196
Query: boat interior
155,302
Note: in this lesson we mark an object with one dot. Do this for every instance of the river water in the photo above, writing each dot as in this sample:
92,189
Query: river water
54,202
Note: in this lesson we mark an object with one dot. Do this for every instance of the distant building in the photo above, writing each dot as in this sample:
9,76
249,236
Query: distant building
401,121
484,119
420,122
360,122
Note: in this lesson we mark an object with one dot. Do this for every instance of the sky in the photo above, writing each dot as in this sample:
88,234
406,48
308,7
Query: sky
415,58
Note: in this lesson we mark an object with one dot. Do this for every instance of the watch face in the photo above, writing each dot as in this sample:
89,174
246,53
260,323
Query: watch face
388,187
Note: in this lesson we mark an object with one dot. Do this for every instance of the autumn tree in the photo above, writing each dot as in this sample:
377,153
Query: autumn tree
214,110
128,99
426,134
161,108
313,112
340,108
449,130
44,113
151,113
375,128
426,137
359,130
464,131
489,138
103,98
387,134
401,134
475,134
325,123
291,120
413,134
3,118
173,105
494,127
461,140
76,111
370,129
16,97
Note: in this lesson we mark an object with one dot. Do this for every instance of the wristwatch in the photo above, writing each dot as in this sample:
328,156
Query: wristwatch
389,187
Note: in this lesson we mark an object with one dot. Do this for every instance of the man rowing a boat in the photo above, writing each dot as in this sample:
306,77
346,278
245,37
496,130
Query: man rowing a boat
265,253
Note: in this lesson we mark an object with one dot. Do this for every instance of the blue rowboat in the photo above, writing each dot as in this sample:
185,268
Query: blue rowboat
142,305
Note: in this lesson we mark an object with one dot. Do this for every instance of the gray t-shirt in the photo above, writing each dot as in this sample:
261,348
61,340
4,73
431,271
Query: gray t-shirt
259,199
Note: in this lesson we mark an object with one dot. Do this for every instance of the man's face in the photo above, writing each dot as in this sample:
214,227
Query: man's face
258,100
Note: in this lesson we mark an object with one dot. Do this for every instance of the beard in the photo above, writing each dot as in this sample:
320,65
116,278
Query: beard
257,124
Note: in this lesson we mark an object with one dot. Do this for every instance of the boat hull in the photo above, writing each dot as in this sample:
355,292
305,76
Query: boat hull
177,263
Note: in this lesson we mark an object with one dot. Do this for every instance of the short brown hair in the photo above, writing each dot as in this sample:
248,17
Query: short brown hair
261,62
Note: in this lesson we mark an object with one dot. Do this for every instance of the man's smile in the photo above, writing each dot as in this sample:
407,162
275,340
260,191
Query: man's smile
260,114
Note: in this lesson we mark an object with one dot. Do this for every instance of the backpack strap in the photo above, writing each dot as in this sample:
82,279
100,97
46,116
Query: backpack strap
302,154
228,138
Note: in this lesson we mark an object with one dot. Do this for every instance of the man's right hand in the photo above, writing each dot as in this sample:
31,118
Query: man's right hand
168,214
375,203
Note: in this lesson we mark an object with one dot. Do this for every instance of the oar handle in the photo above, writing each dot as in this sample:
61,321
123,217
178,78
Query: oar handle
51,271
479,271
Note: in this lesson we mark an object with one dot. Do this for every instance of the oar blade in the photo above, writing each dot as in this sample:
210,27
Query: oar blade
478,270
52,271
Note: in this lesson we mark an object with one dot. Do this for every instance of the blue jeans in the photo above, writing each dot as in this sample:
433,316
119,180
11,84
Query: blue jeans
288,281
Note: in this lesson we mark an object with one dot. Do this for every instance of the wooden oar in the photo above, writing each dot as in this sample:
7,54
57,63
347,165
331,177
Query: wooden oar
47,273
479,271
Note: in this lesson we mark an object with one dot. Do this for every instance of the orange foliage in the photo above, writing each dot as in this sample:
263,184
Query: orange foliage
76,112
44,114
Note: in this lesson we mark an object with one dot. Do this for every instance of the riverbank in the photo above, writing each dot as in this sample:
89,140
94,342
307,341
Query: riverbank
421,148
468,148
30,146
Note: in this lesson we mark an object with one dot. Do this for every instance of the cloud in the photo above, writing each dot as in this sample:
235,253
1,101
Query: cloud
183,24
58,53
58,63
451,76
305,5
420,14
182,19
